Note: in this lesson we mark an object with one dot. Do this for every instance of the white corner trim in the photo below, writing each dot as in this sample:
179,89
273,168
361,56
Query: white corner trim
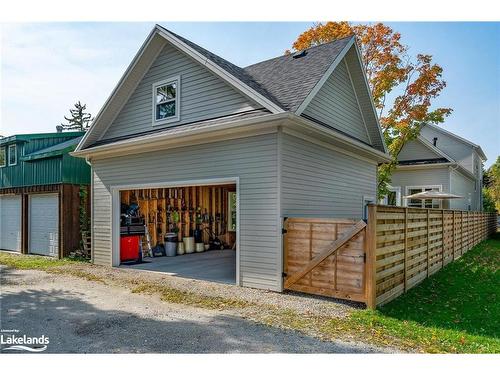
372,102
357,101
324,78
177,80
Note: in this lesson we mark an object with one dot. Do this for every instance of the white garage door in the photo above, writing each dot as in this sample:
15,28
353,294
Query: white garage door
10,223
44,224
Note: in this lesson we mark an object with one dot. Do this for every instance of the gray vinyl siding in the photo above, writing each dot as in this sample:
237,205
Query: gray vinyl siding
422,177
458,150
336,105
415,150
464,186
320,182
364,98
254,160
203,95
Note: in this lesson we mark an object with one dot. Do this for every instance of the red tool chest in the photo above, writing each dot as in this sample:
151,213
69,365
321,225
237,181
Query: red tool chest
129,248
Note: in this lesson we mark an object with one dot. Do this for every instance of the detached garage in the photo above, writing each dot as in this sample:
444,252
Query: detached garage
43,194
297,136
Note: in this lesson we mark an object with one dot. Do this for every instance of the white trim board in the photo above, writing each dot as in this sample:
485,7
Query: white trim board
325,77
357,101
235,129
183,47
115,209
222,73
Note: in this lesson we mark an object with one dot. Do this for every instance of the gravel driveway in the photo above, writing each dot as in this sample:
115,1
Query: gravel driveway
80,316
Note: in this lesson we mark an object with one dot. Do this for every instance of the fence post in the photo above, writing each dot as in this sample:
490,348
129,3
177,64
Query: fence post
442,238
453,234
370,266
406,249
428,253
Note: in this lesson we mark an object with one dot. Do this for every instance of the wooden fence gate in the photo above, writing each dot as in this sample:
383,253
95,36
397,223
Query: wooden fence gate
325,257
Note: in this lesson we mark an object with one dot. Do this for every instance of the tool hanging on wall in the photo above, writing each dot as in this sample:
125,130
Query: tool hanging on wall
148,241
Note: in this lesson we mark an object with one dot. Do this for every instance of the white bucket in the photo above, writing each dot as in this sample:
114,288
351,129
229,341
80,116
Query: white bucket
200,247
180,248
188,244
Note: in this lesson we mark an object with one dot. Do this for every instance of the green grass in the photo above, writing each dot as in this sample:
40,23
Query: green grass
461,297
30,262
455,310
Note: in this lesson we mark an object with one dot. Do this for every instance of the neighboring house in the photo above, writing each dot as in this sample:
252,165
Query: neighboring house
296,135
442,161
39,193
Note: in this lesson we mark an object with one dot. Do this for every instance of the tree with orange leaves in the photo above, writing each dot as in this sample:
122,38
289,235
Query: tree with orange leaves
402,87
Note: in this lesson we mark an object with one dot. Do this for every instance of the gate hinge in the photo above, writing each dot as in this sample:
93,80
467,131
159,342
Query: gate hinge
283,231
364,258
284,274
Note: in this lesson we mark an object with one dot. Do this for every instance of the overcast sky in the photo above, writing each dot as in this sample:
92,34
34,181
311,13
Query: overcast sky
45,68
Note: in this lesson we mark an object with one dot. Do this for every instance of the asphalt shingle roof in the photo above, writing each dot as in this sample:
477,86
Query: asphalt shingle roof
284,80
291,79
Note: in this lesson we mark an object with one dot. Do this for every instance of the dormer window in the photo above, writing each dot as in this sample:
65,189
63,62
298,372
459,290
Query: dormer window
166,101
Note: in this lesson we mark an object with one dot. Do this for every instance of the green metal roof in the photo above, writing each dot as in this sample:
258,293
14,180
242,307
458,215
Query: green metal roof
29,137
54,150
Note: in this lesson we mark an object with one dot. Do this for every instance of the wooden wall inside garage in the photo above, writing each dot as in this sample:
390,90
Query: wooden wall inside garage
154,206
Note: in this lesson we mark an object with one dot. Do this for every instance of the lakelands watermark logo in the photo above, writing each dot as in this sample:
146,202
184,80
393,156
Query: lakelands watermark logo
11,340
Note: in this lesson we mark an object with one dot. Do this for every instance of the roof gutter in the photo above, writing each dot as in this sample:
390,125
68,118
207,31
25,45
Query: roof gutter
142,143
237,127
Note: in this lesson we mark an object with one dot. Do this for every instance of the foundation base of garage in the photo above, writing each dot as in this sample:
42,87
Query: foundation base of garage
212,265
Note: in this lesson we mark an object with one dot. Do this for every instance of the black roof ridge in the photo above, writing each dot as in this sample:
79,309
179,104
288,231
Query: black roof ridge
306,49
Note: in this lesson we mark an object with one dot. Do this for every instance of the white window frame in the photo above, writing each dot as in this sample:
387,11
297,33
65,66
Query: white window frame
394,189
422,187
4,149
177,117
14,146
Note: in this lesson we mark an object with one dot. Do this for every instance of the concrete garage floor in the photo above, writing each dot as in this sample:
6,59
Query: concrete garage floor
212,265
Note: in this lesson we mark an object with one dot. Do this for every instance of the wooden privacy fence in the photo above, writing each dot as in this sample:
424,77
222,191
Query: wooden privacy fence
376,263
407,245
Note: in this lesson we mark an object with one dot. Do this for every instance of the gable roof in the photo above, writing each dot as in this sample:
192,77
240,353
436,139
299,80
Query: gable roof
457,137
290,79
54,150
441,158
280,84
29,137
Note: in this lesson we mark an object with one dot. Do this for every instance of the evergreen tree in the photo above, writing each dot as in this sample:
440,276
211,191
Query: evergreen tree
79,120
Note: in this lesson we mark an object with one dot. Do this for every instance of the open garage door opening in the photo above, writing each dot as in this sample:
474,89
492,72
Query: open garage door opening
187,231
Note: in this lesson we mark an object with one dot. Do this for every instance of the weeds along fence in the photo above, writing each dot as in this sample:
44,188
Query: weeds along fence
407,245
376,262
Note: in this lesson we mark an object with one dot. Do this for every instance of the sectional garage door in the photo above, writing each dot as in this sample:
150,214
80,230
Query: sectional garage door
44,224
10,223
